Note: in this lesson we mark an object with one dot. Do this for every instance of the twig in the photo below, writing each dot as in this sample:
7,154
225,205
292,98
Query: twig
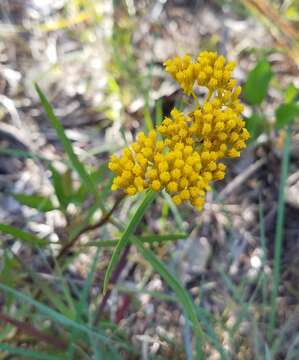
238,180
104,219
29,329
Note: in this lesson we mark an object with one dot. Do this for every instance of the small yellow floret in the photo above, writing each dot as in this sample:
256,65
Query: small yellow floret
177,199
156,185
172,187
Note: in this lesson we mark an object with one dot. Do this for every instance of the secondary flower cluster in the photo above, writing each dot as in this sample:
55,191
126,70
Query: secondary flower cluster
183,155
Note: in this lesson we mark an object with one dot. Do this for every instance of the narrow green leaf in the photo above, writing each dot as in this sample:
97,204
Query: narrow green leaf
40,283
145,239
57,317
171,280
264,275
41,203
68,148
22,154
285,114
148,119
22,235
256,86
131,227
140,291
159,112
279,232
62,184
211,335
82,307
83,303
28,354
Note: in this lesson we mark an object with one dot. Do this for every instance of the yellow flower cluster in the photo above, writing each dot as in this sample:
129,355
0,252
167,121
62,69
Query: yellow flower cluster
183,154
210,71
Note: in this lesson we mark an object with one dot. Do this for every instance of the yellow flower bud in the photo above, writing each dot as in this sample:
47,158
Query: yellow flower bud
156,185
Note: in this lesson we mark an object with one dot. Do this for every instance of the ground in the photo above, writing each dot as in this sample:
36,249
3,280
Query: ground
101,67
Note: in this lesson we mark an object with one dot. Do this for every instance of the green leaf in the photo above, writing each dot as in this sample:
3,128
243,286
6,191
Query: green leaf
171,280
291,94
27,354
285,114
41,203
151,239
22,235
68,148
256,125
257,82
131,227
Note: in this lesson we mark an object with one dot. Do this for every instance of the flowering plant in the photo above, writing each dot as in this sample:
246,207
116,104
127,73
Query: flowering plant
184,154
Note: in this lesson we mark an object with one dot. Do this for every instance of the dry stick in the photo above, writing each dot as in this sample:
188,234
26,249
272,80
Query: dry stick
114,278
104,219
285,34
267,10
238,180
34,332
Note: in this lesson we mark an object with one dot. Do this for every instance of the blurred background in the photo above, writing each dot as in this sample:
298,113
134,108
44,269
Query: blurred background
100,64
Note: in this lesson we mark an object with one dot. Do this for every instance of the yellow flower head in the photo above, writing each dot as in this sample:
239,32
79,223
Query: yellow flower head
183,155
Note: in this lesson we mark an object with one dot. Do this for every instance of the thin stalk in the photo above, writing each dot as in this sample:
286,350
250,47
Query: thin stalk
279,233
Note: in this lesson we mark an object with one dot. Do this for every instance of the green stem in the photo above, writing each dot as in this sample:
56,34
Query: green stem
279,233
182,294
129,230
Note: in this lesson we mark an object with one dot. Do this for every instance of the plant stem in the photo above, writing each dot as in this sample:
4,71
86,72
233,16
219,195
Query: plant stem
279,233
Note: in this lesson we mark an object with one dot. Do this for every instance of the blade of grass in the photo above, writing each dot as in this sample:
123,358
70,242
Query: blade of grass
83,307
22,235
22,154
264,276
123,241
68,148
210,333
68,298
155,294
279,232
41,203
59,318
159,112
180,291
59,186
40,283
28,354
187,339
145,239
83,304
